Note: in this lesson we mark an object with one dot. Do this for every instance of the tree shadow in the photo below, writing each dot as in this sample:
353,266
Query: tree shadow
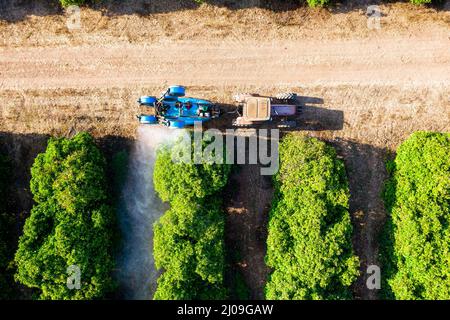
367,6
112,8
18,10
21,150
116,150
273,5
366,171
145,7
247,201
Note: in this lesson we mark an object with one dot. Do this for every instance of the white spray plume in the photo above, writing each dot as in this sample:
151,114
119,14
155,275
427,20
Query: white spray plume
140,208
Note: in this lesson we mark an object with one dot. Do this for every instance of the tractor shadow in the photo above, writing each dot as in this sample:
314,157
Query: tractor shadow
313,117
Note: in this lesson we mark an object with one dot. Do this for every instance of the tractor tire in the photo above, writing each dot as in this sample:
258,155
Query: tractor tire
177,91
177,124
148,119
287,96
147,100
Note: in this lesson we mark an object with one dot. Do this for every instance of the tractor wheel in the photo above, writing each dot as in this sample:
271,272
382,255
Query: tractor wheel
177,124
177,91
287,96
148,119
147,100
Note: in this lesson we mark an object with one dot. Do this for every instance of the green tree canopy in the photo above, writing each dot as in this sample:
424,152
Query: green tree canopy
186,179
416,240
66,3
309,242
188,238
419,2
318,3
70,224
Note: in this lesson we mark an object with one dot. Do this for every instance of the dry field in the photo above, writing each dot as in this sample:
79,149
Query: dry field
364,90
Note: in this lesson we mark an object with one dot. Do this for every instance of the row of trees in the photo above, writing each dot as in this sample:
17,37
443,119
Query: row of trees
65,251
189,237
309,243
416,240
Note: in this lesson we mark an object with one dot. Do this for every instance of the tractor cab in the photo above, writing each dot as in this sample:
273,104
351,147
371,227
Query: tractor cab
254,109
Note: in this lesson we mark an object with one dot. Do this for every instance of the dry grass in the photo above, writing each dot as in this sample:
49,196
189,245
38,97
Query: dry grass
384,120
218,23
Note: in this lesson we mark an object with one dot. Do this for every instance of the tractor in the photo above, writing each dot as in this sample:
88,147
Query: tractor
279,111
175,110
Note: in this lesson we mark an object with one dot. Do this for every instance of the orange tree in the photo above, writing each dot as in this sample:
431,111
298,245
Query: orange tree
188,238
416,240
309,244
66,3
71,224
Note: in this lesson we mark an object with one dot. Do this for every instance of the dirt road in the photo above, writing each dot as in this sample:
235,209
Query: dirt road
364,93
421,60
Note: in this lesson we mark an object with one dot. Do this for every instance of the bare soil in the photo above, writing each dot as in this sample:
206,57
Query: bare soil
364,90
247,210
